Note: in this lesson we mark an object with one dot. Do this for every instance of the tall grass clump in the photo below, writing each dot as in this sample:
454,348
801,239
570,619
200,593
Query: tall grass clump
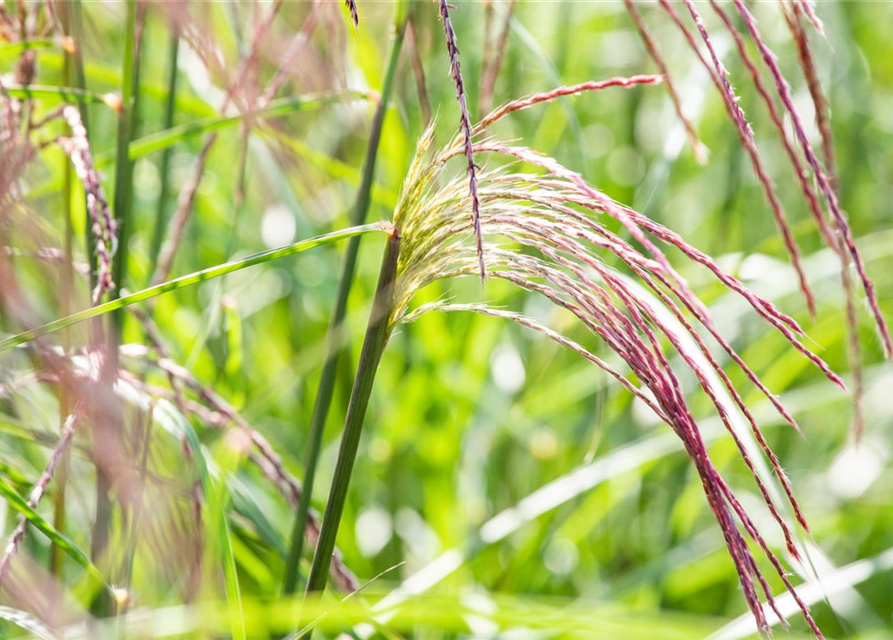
184,443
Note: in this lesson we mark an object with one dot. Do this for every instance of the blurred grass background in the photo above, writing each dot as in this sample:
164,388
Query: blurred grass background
470,416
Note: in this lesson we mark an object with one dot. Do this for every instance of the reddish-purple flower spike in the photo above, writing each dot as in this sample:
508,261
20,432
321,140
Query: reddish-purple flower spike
807,63
698,148
102,224
547,214
808,7
825,187
465,126
354,15
720,75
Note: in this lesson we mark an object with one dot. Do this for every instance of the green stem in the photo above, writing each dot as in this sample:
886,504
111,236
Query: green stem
123,165
377,333
112,426
184,281
334,338
170,109
57,554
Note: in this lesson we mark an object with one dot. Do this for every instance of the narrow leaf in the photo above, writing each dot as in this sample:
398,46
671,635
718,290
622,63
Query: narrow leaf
185,281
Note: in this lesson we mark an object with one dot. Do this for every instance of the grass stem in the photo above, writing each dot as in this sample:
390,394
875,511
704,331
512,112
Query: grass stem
164,169
374,343
334,340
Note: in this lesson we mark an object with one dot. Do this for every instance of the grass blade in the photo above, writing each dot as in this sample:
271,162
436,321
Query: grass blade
184,281
62,94
173,135
62,542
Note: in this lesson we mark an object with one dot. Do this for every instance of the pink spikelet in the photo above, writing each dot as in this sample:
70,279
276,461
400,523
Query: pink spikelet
465,126
698,148
562,91
354,14
821,177
102,223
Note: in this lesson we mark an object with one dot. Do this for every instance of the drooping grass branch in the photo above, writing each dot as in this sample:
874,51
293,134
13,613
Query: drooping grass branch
334,336
825,187
40,487
377,333
216,412
736,114
550,215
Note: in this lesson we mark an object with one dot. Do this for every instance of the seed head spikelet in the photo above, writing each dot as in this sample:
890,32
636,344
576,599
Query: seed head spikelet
465,128
102,223
698,148
824,183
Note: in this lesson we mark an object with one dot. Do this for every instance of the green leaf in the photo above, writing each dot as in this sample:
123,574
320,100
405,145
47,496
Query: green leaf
174,135
185,281
62,94
15,49
18,503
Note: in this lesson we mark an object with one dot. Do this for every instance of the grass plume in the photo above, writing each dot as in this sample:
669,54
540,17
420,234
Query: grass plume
554,216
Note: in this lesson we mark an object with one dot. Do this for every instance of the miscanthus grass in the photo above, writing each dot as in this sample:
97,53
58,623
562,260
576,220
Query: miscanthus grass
548,234
818,180
534,223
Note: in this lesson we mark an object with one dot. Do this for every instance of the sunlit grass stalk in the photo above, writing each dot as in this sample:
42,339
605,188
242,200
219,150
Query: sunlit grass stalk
59,506
334,339
164,167
123,165
377,333
122,204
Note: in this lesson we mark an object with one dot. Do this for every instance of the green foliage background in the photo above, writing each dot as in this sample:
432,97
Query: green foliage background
470,416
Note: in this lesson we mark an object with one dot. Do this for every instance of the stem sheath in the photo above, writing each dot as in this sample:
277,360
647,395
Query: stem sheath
377,333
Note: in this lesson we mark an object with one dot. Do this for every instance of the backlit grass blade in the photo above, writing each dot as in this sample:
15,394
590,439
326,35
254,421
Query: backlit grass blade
13,50
28,622
62,94
174,135
185,281
18,503
107,75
